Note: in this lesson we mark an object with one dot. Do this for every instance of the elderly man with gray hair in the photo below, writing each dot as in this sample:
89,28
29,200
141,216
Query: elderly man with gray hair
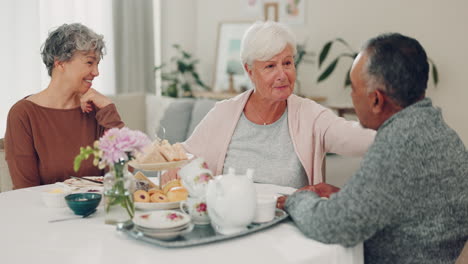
282,136
408,202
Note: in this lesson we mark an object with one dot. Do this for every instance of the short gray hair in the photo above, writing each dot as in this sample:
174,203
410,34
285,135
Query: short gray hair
263,40
398,65
64,41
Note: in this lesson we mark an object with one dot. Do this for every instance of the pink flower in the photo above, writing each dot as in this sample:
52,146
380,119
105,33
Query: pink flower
201,207
173,216
117,144
205,177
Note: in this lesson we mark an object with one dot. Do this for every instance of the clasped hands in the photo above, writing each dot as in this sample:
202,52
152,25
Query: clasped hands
321,189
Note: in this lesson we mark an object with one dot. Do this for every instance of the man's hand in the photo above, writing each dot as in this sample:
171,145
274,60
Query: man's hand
93,99
281,201
321,189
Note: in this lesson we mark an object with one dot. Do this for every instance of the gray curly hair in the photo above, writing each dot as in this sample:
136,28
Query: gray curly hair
64,41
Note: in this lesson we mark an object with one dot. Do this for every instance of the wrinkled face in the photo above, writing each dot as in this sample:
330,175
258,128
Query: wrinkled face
81,70
362,100
274,79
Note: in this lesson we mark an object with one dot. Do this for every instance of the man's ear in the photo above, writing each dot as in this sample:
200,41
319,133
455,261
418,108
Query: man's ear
377,101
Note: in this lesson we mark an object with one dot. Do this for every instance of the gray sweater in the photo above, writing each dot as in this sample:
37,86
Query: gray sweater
409,200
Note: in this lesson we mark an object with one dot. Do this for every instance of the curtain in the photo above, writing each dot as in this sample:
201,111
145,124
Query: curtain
20,72
134,46
127,66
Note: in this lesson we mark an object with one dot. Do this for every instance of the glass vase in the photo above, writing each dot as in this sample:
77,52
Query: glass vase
119,185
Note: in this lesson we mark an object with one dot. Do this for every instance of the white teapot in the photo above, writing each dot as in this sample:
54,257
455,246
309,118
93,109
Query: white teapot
231,202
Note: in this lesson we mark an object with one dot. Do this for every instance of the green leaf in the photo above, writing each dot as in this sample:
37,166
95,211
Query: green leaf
342,41
172,90
348,78
186,55
77,163
159,67
435,74
186,87
324,52
329,70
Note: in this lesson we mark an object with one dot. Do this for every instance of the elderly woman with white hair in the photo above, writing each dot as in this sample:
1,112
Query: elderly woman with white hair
46,130
283,137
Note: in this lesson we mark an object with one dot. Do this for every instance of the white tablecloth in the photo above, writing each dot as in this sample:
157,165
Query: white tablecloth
26,236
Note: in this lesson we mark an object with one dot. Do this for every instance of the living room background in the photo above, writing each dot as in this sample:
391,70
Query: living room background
440,27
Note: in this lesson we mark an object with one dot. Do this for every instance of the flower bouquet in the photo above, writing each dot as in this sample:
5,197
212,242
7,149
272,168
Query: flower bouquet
115,149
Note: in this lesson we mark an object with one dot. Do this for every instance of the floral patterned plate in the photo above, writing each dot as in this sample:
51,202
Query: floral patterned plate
161,219
156,206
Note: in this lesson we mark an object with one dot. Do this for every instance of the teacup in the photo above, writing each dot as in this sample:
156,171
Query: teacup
197,209
195,176
266,207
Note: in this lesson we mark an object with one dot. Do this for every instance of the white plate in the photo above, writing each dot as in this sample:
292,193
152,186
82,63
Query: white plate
156,206
157,166
83,183
161,219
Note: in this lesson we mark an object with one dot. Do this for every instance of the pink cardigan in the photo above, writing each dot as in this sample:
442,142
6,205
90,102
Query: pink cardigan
314,130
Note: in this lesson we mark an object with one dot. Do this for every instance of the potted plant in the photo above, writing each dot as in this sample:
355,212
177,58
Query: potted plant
305,56
351,53
183,76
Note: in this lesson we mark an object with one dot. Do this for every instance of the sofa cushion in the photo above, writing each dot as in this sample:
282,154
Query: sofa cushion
200,109
176,120
5,179
131,108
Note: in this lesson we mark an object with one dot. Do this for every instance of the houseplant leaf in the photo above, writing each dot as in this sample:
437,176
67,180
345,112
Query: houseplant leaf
348,78
328,70
324,52
435,74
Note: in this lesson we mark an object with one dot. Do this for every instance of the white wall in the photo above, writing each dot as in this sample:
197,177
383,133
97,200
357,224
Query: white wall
440,26
20,70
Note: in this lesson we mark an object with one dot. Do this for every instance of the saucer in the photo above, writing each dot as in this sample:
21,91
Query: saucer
161,219
167,235
165,230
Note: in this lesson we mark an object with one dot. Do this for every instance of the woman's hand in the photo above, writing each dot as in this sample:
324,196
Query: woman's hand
93,99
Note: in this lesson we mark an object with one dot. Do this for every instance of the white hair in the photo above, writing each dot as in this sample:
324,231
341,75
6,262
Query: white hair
263,40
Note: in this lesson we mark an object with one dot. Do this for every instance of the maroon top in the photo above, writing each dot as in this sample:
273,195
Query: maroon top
41,143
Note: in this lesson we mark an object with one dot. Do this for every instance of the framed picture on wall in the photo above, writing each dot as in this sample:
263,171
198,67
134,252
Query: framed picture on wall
229,74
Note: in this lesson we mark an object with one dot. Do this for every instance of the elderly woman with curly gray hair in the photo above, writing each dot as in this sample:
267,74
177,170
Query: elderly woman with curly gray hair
45,130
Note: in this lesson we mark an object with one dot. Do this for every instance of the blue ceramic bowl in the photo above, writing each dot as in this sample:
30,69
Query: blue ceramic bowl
83,203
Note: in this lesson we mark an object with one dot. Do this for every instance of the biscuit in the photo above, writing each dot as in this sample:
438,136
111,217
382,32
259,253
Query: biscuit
177,194
141,196
159,198
170,185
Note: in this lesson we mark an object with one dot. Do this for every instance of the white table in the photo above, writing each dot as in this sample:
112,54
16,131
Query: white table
26,236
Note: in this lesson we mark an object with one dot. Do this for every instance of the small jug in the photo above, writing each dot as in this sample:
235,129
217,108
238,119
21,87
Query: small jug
231,201
195,177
